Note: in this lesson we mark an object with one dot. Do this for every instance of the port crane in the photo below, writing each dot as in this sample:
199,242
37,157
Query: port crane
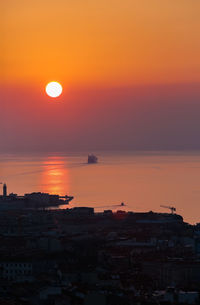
173,209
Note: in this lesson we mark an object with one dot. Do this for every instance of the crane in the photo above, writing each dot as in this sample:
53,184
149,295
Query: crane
173,209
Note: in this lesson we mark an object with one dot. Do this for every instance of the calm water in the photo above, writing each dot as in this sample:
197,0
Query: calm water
143,181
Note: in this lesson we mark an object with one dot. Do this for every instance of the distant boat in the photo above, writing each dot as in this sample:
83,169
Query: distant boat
122,204
92,159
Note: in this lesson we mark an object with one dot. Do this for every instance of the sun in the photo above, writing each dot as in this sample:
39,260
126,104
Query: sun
53,89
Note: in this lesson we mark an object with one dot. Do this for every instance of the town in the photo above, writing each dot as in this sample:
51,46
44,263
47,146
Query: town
76,256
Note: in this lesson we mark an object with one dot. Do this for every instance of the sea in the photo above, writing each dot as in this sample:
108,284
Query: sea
143,181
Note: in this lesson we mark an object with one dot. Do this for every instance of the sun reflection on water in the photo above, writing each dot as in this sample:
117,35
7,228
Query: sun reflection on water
55,177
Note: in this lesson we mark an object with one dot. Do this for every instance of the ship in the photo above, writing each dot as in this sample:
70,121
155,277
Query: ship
92,159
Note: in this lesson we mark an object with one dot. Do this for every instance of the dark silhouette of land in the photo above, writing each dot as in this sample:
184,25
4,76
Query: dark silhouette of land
77,256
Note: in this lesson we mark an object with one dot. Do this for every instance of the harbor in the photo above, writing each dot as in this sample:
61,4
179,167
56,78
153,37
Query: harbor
32,200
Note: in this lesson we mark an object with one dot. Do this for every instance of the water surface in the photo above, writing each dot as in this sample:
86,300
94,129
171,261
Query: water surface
143,181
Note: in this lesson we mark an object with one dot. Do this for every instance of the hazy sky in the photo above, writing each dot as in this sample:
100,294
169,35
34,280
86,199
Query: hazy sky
130,71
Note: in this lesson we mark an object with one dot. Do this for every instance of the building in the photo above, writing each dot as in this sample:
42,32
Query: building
16,271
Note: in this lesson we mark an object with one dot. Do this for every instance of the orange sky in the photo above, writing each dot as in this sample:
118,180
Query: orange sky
130,72
103,42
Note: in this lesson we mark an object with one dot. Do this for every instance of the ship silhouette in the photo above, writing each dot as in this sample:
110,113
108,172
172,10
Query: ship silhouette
92,159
